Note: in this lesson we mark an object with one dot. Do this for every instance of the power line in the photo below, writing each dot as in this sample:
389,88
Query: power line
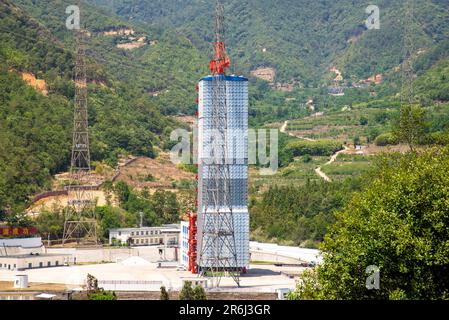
408,49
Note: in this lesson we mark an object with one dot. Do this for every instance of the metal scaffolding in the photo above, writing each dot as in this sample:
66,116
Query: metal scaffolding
216,238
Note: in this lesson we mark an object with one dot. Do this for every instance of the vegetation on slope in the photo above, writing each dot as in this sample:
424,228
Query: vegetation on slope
398,223
165,70
36,129
298,215
302,39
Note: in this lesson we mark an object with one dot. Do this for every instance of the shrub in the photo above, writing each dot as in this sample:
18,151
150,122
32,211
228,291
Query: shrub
189,293
164,294
323,147
385,139
199,293
440,138
186,292
100,294
307,158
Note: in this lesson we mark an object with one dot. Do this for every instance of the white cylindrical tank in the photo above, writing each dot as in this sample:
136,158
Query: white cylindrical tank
21,281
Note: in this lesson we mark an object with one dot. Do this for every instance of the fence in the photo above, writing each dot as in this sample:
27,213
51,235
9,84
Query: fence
130,285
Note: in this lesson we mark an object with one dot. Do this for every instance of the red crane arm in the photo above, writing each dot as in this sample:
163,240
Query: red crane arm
221,60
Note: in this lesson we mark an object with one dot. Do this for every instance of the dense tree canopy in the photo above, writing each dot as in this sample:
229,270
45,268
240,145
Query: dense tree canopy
298,215
399,223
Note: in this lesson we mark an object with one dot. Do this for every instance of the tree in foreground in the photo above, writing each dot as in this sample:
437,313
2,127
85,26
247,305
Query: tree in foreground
199,293
186,291
190,293
398,225
411,125
101,294
164,294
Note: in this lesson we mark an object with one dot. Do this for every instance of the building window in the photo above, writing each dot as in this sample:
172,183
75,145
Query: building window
48,264
146,233
40,264
119,233
132,233
57,263
30,265
146,240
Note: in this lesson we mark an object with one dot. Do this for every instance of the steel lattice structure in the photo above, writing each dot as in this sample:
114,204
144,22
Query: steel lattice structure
407,94
216,235
80,220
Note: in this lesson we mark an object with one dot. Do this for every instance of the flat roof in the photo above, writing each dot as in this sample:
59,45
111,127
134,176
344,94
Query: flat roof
46,296
170,230
227,78
294,252
40,255
164,227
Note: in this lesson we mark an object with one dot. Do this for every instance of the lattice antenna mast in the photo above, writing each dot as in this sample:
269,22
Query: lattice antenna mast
218,252
407,91
80,220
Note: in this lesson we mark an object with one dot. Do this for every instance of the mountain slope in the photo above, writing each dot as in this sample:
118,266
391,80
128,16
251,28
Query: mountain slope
35,126
166,66
301,39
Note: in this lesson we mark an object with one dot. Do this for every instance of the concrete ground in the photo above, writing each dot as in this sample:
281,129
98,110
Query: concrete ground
260,278
141,263
114,254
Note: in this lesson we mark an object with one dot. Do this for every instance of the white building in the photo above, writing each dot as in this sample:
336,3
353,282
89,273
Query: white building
27,253
146,236
17,246
32,261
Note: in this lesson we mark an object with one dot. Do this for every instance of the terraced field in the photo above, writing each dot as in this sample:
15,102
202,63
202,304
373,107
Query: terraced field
345,124
347,165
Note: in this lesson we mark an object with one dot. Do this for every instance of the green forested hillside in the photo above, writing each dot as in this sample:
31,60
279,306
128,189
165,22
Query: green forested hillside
166,68
302,39
35,135
131,91
298,215
434,84
34,140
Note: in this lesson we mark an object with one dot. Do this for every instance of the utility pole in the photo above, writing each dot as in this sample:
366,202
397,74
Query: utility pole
407,94
141,219
407,90
80,219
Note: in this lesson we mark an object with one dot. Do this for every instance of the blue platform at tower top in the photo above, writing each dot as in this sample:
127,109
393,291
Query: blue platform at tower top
223,77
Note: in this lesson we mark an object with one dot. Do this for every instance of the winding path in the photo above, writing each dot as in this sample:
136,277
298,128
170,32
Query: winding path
318,170
283,129
333,158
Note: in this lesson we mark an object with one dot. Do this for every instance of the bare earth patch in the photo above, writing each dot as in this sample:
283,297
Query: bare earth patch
153,173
